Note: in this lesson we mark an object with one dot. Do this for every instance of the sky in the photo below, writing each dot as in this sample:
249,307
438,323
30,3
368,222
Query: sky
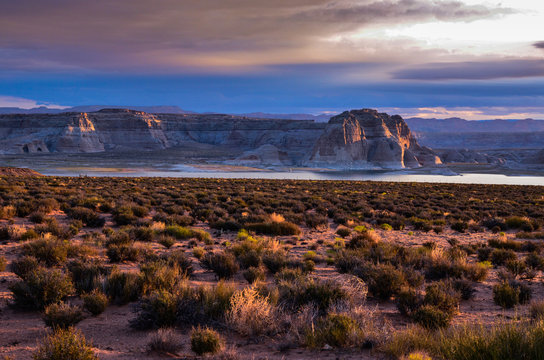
428,58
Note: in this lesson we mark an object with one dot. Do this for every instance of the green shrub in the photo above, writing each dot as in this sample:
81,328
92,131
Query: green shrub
123,287
459,226
179,232
223,264
24,265
337,330
443,296
164,341
431,317
87,216
253,274
343,231
384,280
158,309
159,275
517,222
284,228
62,315
274,260
40,288
51,251
166,240
465,288
65,344
206,341
505,295
122,253
95,302
87,275
179,259
408,301
500,256
307,291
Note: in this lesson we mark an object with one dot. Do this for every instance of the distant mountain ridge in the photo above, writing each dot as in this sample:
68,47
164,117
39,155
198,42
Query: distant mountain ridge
458,125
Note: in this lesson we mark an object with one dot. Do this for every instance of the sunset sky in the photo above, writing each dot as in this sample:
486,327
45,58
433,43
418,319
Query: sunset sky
433,58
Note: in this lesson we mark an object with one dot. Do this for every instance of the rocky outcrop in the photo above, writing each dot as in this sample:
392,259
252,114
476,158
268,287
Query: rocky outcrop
465,156
358,139
366,139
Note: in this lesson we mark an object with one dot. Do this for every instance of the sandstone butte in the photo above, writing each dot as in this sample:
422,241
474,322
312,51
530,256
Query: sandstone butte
356,139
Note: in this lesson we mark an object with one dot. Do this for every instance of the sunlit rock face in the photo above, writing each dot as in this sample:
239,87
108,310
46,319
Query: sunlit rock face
366,139
358,139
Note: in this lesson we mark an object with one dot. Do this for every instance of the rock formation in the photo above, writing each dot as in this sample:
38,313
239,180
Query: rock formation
358,139
366,139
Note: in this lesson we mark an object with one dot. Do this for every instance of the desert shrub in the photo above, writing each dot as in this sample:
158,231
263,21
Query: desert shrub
251,314
122,253
408,300
87,275
49,250
343,231
535,261
274,260
62,315
509,294
166,240
37,217
431,317
517,222
5,234
223,264
159,275
164,341
314,221
41,287
123,287
124,215
226,225
24,265
179,259
202,235
505,244
65,344
95,302
3,263
536,310
206,341
158,309
484,253
465,288
459,226
337,330
500,256
383,280
274,228
363,239
87,216
253,274
386,227
119,238
198,252
443,296
179,232
308,291
516,267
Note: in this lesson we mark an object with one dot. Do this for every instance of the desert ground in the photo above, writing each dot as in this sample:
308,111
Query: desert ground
378,248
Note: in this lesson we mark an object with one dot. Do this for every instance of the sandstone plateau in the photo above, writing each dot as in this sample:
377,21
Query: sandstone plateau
357,139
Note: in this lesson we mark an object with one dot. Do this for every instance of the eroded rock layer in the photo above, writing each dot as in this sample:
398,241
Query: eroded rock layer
356,139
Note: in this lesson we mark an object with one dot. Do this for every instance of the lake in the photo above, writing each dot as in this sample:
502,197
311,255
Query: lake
394,176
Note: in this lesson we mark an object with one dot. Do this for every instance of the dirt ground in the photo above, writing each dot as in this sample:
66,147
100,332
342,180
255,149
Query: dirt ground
112,337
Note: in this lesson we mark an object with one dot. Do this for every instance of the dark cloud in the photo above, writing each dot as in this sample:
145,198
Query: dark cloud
474,70
121,33
539,45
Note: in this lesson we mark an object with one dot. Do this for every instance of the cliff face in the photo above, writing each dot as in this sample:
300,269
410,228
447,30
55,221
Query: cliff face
355,139
366,139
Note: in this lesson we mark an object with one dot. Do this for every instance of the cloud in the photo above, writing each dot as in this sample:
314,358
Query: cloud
539,45
167,34
17,102
473,70
470,113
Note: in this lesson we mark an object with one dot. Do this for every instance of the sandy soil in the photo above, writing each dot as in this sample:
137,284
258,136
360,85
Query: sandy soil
113,338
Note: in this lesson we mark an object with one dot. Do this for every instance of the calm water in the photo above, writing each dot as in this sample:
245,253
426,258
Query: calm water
311,175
